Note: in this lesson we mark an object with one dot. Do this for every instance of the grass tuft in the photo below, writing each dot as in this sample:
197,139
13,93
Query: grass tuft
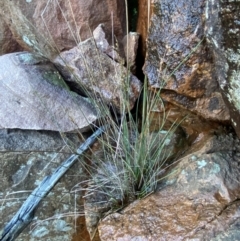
128,164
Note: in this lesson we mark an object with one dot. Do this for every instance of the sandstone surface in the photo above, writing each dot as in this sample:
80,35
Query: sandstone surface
199,201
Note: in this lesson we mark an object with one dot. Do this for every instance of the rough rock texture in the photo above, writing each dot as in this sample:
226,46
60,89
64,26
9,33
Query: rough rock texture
17,15
180,61
199,201
89,69
86,14
130,45
34,96
102,44
25,158
126,52
33,23
224,16
7,42
195,127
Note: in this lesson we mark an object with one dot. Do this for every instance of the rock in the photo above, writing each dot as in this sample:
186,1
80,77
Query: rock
82,233
17,16
181,62
142,24
26,157
99,36
92,71
222,31
34,96
83,17
33,23
195,127
172,143
130,44
233,233
198,201
7,42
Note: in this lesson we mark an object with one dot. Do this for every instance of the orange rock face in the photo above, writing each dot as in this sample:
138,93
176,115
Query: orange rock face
142,24
180,61
200,201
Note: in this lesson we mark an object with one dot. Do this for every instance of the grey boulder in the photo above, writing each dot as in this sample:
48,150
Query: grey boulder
34,96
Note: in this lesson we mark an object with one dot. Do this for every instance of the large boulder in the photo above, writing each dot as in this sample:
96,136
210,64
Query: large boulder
83,17
198,201
223,35
34,96
180,61
51,26
92,71
26,157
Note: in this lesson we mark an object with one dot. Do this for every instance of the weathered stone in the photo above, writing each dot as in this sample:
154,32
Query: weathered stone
223,35
55,25
99,36
91,70
195,127
82,16
130,45
26,157
180,61
172,143
7,42
198,201
18,16
144,12
82,233
34,96
233,232
211,108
